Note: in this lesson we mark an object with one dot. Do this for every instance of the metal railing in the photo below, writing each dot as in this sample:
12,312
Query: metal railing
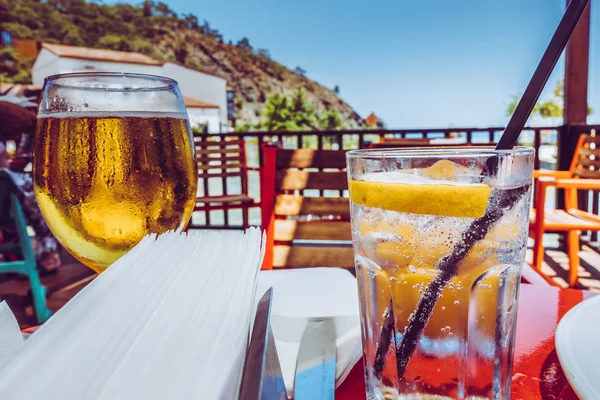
358,139
544,139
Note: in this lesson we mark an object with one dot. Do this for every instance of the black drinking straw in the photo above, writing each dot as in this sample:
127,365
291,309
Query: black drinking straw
499,200
542,73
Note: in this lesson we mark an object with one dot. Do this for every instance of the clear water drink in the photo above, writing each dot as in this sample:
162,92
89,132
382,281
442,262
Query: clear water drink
439,240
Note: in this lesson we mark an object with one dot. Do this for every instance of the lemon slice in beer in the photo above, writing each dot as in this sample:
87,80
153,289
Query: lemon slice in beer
422,192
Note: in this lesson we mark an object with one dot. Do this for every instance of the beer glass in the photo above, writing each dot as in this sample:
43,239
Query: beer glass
113,161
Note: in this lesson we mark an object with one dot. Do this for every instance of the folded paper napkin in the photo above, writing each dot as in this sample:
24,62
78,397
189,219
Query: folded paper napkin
313,292
298,296
11,338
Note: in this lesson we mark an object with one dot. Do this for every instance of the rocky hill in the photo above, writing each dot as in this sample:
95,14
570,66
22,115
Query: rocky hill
157,31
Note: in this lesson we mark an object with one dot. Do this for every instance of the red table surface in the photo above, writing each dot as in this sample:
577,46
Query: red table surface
537,373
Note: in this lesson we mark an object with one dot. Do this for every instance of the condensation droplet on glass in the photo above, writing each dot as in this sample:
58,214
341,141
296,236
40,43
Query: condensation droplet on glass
456,302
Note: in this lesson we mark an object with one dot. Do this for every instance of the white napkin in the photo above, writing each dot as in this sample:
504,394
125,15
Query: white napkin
11,338
313,292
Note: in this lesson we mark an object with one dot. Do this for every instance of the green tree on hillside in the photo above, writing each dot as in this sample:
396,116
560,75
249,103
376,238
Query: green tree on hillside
147,9
551,108
76,22
331,121
293,113
115,42
300,71
278,114
190,21
263,53
303,112
12,69
181,52
288,113
18,30
244,126
244,43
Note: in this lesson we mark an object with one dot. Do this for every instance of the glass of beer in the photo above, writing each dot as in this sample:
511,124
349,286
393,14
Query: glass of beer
113,161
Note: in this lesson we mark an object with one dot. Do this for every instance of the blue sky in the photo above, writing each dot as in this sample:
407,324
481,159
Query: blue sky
424,63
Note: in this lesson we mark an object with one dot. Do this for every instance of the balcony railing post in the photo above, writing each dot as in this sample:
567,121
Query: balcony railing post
537,142
594,237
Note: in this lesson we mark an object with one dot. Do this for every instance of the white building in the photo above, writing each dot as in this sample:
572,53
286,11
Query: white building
205,94
203,114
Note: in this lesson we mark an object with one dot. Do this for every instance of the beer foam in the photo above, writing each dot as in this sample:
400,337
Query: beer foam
113,114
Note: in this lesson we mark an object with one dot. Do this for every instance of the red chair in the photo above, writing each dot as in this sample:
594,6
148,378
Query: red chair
304,230
583,174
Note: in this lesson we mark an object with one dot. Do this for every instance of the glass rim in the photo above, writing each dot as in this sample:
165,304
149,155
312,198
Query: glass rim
438,152
161,82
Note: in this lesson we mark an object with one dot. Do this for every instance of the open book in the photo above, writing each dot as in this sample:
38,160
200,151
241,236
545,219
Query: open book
169,320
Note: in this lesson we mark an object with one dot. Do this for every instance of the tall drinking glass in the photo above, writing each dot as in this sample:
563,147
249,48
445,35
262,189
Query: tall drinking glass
439,239
113,161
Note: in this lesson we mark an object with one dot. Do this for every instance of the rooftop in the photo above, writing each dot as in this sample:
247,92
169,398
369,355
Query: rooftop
371,120
129,57
87,53
194,103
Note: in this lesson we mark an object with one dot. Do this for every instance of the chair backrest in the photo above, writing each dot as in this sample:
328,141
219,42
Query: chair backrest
12,213
305,210
221,157
6,190
586,160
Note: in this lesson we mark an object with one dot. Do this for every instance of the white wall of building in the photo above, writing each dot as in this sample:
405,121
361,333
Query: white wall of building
209,116
194,84
79,65
198,85
46,64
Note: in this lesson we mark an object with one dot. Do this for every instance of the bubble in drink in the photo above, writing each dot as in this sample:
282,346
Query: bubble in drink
103,181
404,222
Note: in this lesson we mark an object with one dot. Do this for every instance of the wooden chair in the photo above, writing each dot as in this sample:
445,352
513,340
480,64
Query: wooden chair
583,174
222,159
12,213
305,231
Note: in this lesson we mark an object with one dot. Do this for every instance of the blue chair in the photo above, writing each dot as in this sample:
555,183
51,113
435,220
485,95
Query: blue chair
11,212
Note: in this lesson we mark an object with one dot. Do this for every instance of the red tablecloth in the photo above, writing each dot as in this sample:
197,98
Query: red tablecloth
537,373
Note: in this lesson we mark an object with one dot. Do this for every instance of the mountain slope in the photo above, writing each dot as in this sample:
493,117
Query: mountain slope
157,31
